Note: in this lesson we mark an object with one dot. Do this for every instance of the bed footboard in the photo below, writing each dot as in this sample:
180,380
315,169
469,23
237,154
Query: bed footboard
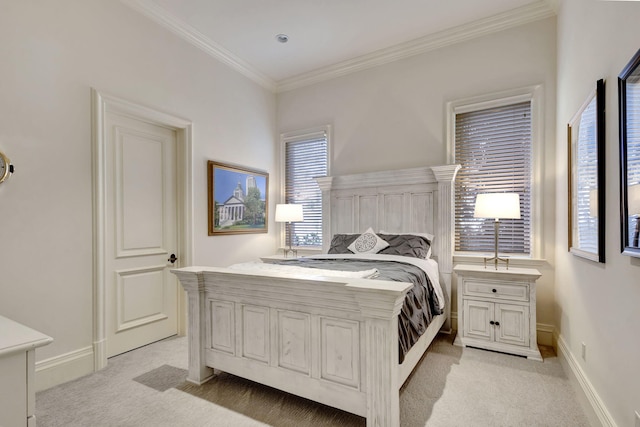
334,341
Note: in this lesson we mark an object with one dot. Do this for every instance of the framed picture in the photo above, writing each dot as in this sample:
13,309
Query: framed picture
629,121
238,199
586,137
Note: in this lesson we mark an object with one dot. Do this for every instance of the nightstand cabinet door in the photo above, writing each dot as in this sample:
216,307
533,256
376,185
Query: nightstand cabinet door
514,324
477,322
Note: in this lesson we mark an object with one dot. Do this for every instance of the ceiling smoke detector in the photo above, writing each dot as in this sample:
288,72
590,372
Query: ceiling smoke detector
282,38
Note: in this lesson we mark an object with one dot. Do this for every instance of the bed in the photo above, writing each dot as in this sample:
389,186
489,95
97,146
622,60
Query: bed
330,339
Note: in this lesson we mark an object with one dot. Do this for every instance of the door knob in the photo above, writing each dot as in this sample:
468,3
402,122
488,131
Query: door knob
172,259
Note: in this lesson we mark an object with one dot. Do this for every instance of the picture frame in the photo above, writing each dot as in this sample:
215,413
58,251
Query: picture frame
586,176
238,199
629,126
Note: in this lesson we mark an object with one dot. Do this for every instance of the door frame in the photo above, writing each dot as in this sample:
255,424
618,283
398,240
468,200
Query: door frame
101,103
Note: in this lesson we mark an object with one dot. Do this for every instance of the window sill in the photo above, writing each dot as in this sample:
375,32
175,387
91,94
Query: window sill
513,260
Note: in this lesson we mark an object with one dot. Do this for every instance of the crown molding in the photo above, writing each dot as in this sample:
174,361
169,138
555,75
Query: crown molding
151,10
529,13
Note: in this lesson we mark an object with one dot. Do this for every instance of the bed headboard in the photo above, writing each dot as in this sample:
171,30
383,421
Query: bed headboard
416,200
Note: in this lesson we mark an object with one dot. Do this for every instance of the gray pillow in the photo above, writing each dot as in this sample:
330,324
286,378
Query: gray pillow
406,245
340,243
399,244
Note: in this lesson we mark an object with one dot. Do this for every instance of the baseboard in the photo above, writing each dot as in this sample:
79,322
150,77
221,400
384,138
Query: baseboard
599,413
545,334
63,368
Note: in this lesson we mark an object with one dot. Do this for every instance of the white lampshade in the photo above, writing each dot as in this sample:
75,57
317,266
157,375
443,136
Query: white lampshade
289,213
497,205
633,199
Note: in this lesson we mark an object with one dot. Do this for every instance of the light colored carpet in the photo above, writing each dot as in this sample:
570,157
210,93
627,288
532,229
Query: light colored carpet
450,387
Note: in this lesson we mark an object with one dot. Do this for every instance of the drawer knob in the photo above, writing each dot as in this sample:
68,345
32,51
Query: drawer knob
497,323
494,290
492,322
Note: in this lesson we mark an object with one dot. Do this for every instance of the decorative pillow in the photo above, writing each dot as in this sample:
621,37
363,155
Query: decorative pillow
411,245
340,243
368,243
427,236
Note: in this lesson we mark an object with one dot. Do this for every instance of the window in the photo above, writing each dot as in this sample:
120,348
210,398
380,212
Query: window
493,141
305,157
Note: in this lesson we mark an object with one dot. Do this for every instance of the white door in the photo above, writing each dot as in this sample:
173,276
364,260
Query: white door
141,233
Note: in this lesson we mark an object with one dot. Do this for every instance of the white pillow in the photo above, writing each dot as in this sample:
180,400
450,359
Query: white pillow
368,243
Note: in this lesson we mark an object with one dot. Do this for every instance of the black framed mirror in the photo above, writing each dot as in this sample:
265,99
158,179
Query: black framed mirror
586,144
629,98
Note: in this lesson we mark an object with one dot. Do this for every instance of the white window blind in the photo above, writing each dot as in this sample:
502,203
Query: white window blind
306,157
494,148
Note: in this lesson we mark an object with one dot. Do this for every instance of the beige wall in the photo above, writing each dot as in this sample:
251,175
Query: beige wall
52,54
598,304
393,116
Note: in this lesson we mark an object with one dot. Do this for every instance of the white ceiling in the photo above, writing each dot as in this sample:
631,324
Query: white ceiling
330,37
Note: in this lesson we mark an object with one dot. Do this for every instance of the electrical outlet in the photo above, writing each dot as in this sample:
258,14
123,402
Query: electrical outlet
584,352
637,419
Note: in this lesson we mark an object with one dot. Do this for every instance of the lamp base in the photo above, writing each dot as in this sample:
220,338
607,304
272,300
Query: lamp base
495,260
293,252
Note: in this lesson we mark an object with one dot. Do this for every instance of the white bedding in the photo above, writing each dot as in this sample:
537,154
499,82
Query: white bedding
293,270
429,266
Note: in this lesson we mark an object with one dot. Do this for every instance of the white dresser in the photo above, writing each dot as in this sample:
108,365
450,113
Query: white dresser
497,309
17,372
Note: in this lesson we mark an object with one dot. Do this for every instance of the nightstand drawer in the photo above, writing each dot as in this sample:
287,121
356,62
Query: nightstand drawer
512,291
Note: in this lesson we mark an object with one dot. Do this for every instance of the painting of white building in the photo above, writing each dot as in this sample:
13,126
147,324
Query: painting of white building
238,200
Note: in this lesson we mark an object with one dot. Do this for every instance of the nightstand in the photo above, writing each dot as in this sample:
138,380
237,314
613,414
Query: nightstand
497,309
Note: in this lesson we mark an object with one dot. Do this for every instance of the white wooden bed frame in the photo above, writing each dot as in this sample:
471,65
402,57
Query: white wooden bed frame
331,340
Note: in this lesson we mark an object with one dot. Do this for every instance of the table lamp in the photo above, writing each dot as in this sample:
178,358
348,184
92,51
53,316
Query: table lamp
288,213
497,206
